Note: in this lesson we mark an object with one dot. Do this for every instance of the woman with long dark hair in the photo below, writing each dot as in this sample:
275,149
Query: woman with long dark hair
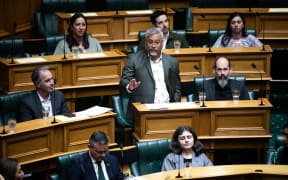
77,37
235,34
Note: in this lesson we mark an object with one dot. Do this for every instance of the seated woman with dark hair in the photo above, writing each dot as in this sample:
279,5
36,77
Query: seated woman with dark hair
78,38
235,34
185,148
10,169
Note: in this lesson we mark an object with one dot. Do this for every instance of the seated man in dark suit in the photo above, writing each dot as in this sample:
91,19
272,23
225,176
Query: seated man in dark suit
96,163
32,105
160,20
221,87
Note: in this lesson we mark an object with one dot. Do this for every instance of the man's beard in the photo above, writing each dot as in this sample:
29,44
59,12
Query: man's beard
222,81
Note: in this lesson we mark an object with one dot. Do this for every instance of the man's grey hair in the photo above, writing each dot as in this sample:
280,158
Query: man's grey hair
153,31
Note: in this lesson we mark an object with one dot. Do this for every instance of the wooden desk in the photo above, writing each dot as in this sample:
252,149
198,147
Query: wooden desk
220,125
81,77
114,30
39,140
227,172
240,58
274,24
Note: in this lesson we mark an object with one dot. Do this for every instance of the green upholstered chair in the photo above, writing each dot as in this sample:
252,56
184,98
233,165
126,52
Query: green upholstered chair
18,50
123,125
51,43
9,104
198,82
46,21
141,36
273,153
150,156
62,165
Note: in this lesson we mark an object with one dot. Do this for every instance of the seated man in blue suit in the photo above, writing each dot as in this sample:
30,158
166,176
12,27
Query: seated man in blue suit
31,106
96,164
221,87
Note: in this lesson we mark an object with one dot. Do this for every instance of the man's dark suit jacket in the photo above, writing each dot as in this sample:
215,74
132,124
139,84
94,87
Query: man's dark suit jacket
31,107
209,86
170,42
81,168
138,66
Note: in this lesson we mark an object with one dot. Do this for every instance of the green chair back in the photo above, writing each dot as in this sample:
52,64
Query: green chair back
150,156
18,50
9,105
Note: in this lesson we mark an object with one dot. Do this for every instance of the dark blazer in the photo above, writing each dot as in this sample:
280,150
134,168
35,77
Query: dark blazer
209,86
170,42
138,66
31,107
81,168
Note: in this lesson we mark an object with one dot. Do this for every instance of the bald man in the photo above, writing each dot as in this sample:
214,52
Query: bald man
221,87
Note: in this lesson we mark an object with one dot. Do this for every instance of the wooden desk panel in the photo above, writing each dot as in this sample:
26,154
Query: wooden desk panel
114,29
40,140
228,172
220,125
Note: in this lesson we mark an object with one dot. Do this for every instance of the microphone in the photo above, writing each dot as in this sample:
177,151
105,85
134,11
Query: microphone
179,176
13,44
64,51
263,47
202,100
209,40
261,92
3,126
54,102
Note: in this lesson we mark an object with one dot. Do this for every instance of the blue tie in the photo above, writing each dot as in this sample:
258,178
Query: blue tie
100,171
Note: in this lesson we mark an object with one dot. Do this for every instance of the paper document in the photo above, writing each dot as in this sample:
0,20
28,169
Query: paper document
278,9
93,111
65,118
91,55
30,60
164,106
140,12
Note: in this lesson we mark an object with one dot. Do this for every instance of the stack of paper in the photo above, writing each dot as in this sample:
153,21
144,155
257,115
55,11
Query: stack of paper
93,111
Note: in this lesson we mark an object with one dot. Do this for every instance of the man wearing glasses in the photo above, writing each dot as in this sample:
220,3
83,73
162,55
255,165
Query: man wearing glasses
150,76
45,97
96,164
220,87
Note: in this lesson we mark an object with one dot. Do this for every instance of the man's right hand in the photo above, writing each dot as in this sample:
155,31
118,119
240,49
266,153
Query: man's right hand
133,84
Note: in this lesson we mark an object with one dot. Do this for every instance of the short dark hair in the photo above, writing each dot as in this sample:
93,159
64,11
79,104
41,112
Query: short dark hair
35,76
285,126
198,147
8,168
98,137
156,14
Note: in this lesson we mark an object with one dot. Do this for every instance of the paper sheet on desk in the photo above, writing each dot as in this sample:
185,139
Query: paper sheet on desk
65,118
93,111
91,55
163,106
30,60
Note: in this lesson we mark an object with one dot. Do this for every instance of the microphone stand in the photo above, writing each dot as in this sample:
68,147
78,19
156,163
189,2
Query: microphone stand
209,43
202,88
64,57
13,44
261,92
54,104
263,47
179,176
3,126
